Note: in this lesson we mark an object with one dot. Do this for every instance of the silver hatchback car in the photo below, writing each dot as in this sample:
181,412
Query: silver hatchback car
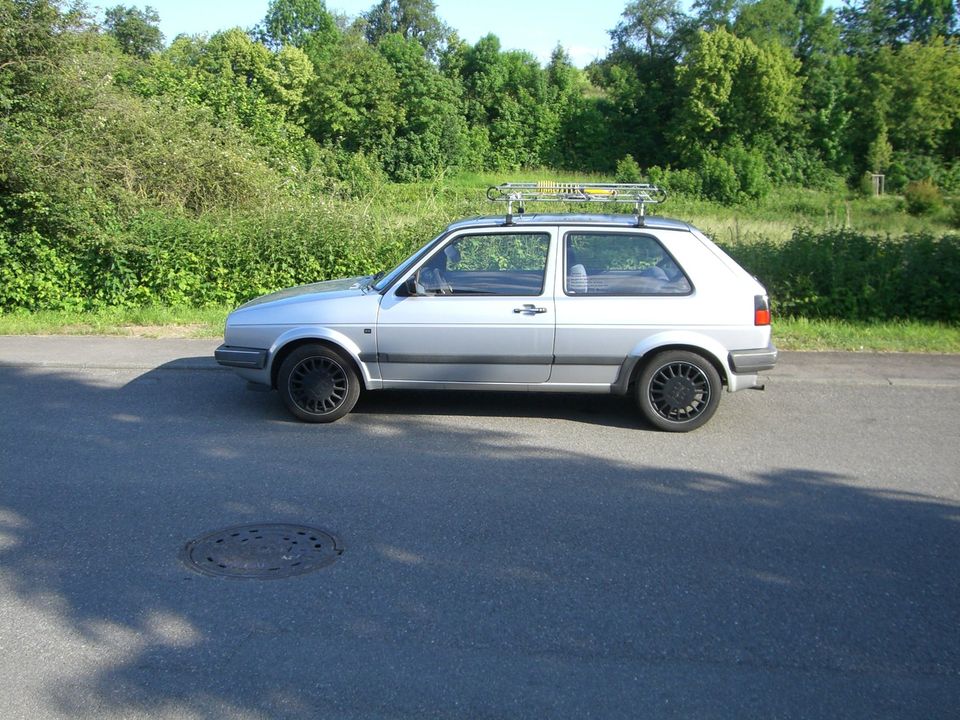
559,303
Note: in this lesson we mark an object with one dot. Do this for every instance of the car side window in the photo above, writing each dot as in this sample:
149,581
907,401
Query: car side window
620,264
487,264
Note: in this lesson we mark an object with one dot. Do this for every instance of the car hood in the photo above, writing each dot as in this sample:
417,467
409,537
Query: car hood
320,288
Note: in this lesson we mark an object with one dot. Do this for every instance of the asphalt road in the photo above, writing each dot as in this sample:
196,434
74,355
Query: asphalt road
505,556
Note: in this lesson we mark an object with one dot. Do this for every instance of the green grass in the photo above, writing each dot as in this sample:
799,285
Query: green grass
154,321
904,336
785,209
789,333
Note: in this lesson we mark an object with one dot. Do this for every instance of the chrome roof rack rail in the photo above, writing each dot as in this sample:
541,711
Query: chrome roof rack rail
640,195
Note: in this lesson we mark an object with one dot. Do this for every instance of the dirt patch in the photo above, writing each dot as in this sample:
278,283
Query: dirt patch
191,330
165,331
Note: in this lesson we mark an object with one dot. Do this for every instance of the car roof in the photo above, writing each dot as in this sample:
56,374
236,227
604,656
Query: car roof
651,222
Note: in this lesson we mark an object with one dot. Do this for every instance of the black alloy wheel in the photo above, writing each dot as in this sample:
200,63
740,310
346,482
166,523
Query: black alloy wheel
317,384
678,391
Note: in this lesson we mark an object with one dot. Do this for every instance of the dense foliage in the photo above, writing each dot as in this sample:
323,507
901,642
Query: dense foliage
208,169
849,275
222,260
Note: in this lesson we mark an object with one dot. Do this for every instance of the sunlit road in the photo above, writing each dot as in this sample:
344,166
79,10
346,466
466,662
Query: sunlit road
505,556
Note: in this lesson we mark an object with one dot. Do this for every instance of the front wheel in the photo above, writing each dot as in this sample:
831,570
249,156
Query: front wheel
678,391
317,384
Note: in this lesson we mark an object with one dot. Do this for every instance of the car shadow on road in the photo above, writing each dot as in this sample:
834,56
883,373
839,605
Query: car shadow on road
484,575
606,410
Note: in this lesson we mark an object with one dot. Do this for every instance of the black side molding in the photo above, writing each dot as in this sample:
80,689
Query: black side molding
241,357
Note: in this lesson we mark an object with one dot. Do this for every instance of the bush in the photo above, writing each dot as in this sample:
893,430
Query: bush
679,182
949,178
36,274
803,167
842,274
918,167
922,197
160,258
720,180
226,258
896,178
346,174
686,182
751,171
628,171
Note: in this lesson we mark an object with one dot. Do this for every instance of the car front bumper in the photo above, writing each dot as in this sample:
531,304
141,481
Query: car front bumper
250,358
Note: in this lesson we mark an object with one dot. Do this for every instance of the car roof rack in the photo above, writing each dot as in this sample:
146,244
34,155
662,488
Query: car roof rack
639,194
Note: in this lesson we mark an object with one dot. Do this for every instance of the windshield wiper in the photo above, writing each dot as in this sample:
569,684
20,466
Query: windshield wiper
373,278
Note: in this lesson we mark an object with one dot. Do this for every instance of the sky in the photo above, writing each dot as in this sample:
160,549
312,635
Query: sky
580,26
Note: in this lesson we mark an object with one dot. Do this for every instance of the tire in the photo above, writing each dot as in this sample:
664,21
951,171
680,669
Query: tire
678,391
317,384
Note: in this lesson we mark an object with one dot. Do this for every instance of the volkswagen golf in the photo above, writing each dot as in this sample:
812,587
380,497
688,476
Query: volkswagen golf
575,303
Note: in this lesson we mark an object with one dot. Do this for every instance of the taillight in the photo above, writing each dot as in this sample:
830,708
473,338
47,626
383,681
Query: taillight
761,310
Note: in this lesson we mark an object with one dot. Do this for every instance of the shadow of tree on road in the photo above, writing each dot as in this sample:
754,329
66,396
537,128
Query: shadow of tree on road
485,574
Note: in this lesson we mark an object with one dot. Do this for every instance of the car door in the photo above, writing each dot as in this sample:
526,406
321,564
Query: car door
477,310
618,286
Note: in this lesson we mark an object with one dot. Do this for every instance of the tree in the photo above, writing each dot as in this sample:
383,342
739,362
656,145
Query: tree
243,83
880,152
651,22
733,91
924,88
411,19
923,20
635,94
562,76
870,24
766,21
565,90
713,15
293,22
281,77
30,43
352,103
433,134
507,94
136,30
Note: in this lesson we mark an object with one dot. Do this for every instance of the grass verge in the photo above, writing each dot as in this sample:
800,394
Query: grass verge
151,322
180,322
901,336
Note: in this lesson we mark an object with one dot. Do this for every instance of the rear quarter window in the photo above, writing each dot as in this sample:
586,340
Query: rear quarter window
630,264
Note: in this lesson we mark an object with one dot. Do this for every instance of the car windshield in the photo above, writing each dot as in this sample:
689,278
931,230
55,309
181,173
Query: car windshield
382,281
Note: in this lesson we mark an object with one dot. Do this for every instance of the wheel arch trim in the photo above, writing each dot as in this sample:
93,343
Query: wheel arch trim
695,342
290,340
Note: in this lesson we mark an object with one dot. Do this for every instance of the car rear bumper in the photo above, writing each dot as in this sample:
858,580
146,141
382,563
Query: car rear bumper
750,362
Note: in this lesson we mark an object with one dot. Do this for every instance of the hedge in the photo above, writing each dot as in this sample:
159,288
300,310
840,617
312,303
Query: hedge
157,259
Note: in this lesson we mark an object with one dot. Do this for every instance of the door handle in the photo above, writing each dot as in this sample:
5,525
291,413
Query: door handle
530,308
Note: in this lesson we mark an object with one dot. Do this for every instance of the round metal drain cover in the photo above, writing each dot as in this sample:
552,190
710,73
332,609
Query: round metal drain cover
262,551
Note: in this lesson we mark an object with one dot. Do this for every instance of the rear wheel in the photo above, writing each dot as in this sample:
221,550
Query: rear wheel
317,384
678,391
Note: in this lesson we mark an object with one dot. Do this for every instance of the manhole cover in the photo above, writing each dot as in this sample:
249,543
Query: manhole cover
261,551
